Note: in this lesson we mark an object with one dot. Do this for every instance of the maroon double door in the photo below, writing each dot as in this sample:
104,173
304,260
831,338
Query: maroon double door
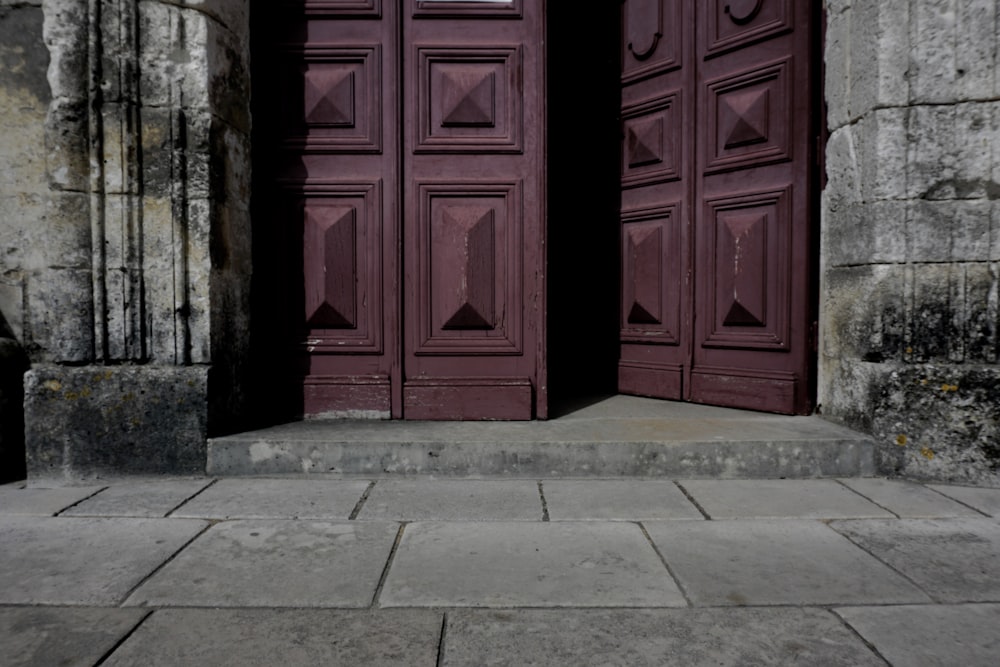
413,205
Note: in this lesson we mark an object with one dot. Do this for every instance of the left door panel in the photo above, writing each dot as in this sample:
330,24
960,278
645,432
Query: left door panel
335,202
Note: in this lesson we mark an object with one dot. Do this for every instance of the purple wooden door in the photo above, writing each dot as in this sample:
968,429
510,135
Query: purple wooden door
473,219
717,104
412,171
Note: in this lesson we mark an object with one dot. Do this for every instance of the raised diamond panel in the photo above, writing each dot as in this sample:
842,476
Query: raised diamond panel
468,97
645,260
330,266
652,135
469,263
463,270
750,237
331,99
341,265
651,275
749,118
467,100
653,38
732,24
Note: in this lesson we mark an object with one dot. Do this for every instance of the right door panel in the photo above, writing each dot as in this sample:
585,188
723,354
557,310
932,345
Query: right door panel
716,295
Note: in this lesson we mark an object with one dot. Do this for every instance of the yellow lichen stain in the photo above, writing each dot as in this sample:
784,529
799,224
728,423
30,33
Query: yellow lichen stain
924,382
71,395
909,350
927,453
52,385
901,440
949,387
106,375
85,392
128,397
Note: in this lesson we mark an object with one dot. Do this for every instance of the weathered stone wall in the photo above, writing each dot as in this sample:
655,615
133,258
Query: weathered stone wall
911,233
24,99
125,274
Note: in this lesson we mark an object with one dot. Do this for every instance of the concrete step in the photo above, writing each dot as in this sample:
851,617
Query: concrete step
617,436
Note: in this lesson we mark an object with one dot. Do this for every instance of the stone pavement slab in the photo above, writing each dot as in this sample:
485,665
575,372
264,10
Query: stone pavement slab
453,500
275,499
274,563
142,498
618,499
16,499
945,635
78,561
592,564
67,637
653,637
906,499
780,498
984,500
774,562
288,637
955,560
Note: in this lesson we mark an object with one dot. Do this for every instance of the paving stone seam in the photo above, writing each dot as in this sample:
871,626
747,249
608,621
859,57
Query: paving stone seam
545,503
69,507
441,640
211,483
666,565
361,502
829,524
388,564
873,502
208,525
123,638
691,499
850,628
961,502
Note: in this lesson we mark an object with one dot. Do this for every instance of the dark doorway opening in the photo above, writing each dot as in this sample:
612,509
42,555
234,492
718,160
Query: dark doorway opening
584,139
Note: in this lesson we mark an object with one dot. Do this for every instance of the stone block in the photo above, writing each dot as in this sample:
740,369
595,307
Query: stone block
986,501
929,422
33,637
980,317
880,47
870,233
458,500
172,47
774,562
843,172
231,14
275,499
937,333
60,315
949,152
84,562
650,638
530,564
623,500
929,634
274,563
83,422
954,560
837,60
139,497
779,499
946,231
907,500
387,638
883,154
864,316
953,53
12,307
